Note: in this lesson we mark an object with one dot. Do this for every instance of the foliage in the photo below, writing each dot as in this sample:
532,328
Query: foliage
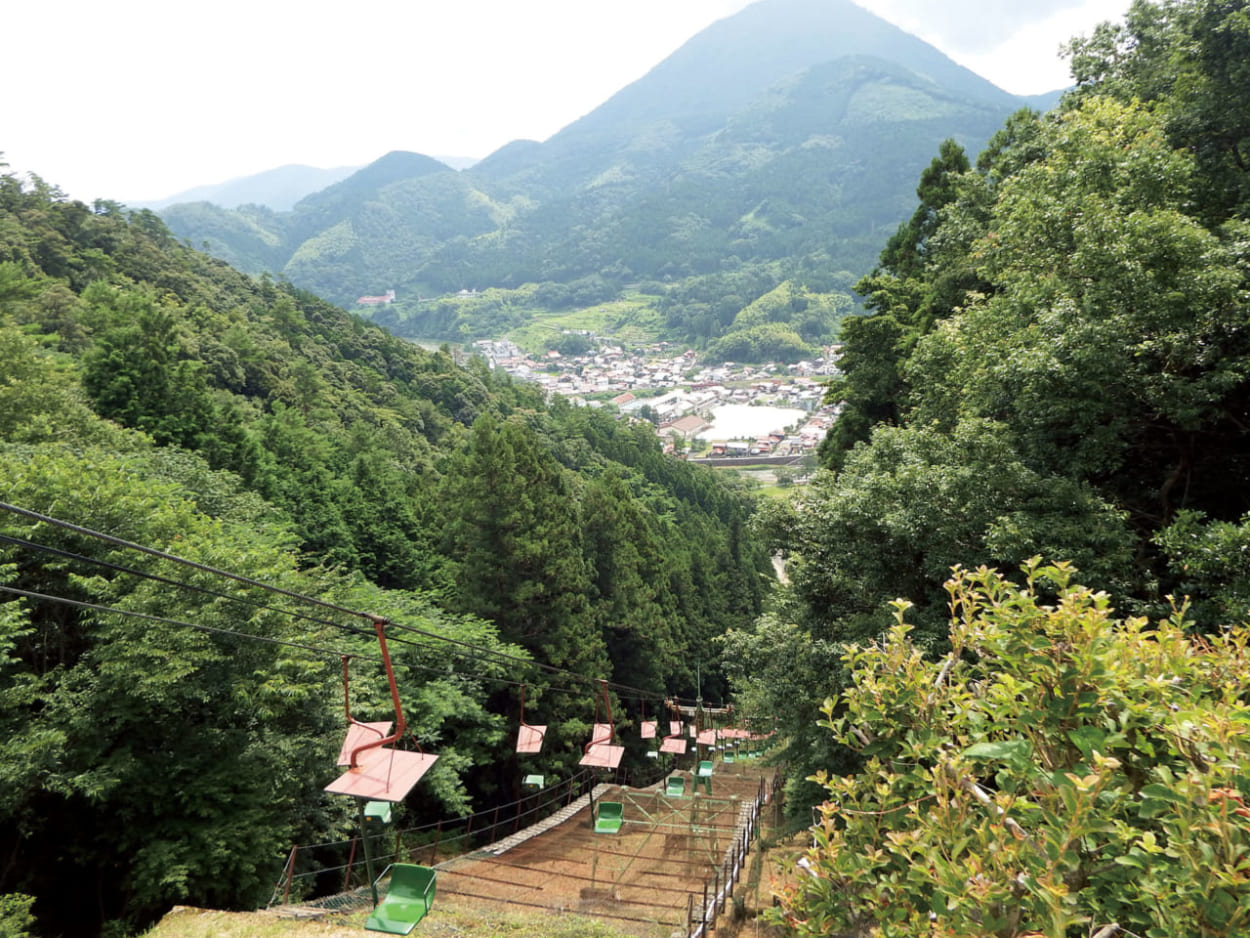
917,501
15,916
153,393
1212,559
1082,287
1057,771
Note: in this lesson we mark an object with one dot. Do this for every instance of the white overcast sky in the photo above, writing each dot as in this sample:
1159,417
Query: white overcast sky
141,99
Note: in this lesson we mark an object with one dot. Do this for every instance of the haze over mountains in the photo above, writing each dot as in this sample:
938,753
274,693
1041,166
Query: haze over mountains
791,132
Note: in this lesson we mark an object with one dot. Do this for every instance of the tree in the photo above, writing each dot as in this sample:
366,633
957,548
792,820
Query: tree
1059,770
1114,341
1187,58
513,533
915,501
144,762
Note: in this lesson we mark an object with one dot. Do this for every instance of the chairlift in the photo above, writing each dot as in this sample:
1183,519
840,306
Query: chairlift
529,738
377,774
673,742
609,817
408,899
374,771
601,752
703,774
647,730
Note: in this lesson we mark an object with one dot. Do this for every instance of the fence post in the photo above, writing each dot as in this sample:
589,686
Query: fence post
290,875
715,898
703,914
689,911
351,859
438,832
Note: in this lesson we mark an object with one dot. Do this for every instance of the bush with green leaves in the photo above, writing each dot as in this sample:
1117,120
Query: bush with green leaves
15,915
1059,772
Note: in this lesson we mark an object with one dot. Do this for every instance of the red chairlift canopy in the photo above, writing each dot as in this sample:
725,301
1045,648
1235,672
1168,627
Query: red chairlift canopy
529,738
383,775
374,771
600,753
673,742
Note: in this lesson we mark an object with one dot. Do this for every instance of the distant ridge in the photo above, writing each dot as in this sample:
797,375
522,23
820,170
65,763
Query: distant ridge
278,189
791,132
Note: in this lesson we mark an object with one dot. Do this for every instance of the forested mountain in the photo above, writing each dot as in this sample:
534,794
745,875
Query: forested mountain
1056,366
786,136
152,750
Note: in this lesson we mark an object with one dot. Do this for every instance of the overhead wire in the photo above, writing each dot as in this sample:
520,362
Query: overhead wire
97,607
181,584
623,689
195,564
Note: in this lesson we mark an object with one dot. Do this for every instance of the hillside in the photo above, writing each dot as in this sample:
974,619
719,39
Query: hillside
165,731
794,129
1018,591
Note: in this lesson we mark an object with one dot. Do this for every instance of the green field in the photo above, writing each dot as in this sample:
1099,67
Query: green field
631,321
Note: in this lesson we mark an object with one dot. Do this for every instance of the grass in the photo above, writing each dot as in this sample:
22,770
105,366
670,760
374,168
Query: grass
449,919
631,321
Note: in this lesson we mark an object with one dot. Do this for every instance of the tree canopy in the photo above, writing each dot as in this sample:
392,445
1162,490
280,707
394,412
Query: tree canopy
166,745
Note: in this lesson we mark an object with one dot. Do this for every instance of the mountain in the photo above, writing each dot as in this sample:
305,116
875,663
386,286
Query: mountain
793,131
278,189
720,71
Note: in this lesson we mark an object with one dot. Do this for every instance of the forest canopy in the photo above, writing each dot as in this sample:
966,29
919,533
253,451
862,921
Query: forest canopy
1055,364
163,744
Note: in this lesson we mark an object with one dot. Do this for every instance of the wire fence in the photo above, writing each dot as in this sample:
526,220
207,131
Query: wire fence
316,871
719,891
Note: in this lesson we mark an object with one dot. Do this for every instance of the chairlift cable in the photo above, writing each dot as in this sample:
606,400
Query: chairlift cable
301,597
165,555
28,594
181,584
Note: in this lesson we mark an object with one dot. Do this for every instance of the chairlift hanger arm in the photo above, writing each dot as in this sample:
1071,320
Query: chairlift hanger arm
379,626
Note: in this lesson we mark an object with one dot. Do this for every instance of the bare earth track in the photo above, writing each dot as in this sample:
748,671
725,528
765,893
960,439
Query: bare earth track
645,879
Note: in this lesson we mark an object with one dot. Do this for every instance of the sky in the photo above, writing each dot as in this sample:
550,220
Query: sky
136,100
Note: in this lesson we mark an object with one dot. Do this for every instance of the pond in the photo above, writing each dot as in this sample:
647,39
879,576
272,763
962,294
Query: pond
748,421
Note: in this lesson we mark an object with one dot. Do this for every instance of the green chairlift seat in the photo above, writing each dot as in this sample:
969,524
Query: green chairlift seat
728,758
409,898
611,813
533,782
703,774
676,787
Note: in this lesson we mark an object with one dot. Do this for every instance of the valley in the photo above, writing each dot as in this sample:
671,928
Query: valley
435,449
728,409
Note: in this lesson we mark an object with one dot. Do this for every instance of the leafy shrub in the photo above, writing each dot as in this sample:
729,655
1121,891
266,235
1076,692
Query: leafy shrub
1059,771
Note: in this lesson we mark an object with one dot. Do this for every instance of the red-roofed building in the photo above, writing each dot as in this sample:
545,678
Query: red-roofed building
688,427
386,298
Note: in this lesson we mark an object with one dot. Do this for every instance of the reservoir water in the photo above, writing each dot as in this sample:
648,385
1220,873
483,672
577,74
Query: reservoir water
747,421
